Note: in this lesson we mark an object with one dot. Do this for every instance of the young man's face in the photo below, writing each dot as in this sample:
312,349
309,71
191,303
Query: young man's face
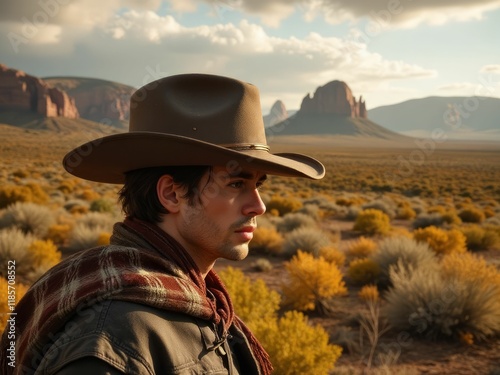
221,222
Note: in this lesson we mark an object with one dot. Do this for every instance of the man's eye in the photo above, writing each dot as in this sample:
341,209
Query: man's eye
236,184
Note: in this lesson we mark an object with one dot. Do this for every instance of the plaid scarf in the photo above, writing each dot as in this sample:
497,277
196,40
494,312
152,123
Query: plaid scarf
143,265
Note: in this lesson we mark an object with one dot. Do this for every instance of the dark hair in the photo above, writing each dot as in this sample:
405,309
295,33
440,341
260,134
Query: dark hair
138,195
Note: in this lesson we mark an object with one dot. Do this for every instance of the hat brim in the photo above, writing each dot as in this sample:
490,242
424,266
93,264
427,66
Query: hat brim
107,159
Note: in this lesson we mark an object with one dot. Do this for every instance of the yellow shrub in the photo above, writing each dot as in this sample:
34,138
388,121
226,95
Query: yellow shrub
469,268
252,301
405,212
58,233
284,205
267,240
489,212
43,254
22,193
472,215
369,293
103,239
451,217
67,186
361,248
332,255
297,348
354,201
480,238
88,195
440,240
363,271
312,282
20,290
372,221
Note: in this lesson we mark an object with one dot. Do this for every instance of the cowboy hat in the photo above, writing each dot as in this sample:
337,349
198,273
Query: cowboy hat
189,119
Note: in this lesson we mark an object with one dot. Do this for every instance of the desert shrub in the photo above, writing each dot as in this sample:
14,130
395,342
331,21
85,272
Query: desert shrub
252,301
14,246
4,297
58,233
84,237
489,212
295,220
262,265
28,217
372,221
401,252
103,239
440,240
451,218
76,206
43,254
361,248
30,192
311,210
369,293
472,215
332,255
284,205
427,220
350,201
97,220
67,186
352,213
384,205
307,239
312,282
102,205
297,348
405,212
266,241
480,238
266,221
460,297
363,271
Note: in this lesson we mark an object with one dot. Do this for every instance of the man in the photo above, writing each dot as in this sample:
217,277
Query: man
150,303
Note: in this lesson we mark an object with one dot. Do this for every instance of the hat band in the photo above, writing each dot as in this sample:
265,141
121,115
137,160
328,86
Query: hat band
247,146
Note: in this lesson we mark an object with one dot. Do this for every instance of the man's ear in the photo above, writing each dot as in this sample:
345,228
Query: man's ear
168,193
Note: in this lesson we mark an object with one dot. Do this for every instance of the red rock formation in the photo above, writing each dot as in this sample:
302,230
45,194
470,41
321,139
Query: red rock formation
102,102
334,98
20,91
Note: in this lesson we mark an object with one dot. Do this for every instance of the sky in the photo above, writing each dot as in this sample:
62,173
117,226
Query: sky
388,51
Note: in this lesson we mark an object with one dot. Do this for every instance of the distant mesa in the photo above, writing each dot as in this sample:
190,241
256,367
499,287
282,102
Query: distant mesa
277,114
332,110
334,98
22,92
98,100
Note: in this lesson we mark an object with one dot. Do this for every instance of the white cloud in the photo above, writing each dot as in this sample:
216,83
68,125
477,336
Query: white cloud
143,46
381,13
493,68
481,88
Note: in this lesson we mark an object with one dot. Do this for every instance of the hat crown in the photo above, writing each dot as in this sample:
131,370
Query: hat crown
210,108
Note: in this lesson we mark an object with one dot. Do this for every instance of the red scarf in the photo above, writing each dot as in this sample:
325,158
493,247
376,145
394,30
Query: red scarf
144,265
